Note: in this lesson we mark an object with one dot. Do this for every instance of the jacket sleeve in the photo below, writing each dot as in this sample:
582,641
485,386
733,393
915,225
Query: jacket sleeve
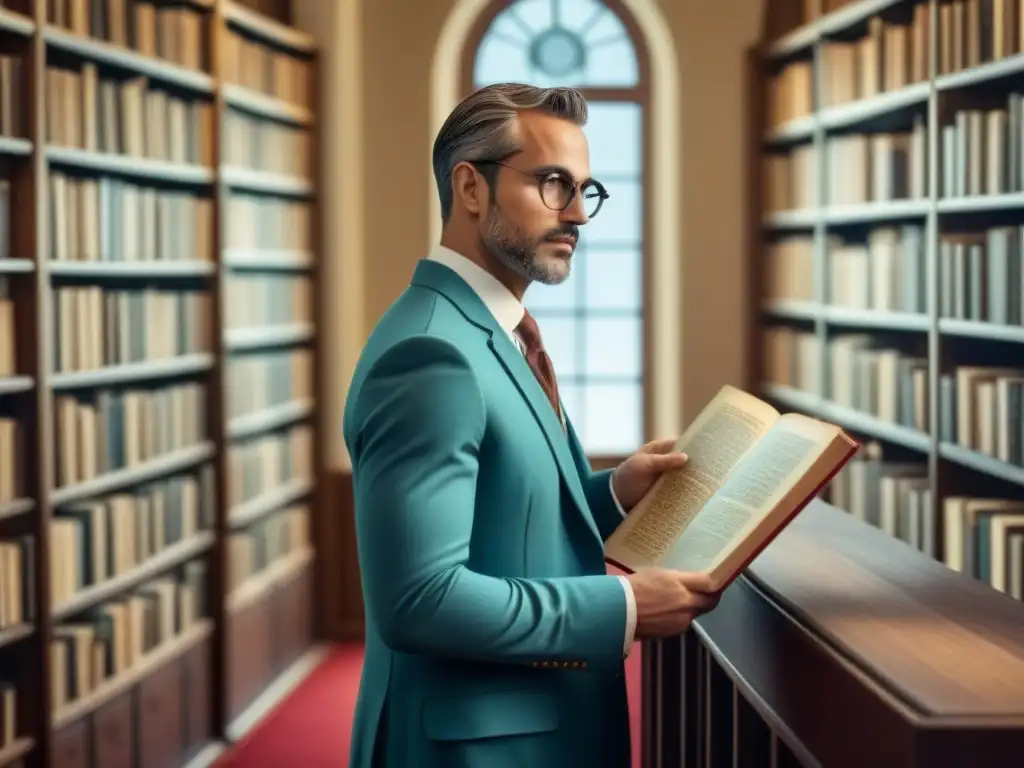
415,440
597,487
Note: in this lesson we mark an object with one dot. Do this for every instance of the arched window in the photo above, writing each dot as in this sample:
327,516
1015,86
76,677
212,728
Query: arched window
593,324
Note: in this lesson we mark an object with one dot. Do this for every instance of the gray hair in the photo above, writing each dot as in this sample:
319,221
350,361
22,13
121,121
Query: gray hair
479,129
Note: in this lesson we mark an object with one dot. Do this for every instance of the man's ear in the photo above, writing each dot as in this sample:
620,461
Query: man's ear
469,188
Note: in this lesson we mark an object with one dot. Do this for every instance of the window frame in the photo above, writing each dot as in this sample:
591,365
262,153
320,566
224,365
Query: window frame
639,94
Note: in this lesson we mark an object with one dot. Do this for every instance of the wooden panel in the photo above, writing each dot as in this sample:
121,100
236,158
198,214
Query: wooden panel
70,747
345,613
161,726
197,690
293,617
947,645
113,742
250,659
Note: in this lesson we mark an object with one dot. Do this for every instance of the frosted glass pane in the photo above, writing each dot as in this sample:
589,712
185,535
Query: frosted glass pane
559,335
612,66
577,14
498,61
621,216
614,347
613,131
613,420
536,14
613,280
602,29
540,298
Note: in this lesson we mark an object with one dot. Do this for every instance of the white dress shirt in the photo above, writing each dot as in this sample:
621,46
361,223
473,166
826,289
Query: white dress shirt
508,311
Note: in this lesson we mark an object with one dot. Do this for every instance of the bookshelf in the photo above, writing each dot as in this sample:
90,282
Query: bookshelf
890,262
158,428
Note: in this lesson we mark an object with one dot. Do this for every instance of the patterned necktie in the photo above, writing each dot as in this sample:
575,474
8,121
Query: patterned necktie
538,359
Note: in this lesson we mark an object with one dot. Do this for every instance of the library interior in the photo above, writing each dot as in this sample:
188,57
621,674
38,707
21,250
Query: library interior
820,202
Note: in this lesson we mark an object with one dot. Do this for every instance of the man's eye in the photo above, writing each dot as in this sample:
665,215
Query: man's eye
555,181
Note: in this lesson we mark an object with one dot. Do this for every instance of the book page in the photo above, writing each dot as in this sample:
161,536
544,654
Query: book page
764,475
722,435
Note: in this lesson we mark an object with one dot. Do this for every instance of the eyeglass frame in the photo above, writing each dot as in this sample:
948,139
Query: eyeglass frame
545,172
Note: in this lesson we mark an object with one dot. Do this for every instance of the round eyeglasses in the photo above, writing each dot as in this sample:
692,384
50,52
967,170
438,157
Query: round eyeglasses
558,190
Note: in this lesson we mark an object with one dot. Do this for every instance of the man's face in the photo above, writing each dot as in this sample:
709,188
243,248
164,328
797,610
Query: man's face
519,229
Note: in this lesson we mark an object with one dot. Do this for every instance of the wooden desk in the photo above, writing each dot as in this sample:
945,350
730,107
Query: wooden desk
845,648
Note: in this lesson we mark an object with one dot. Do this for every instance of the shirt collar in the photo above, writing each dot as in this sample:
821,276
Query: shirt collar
498,299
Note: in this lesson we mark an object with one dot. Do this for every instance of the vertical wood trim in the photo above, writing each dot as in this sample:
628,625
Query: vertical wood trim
43,427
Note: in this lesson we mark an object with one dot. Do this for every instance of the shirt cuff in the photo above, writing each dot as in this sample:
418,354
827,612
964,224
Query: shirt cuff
611,487
630,615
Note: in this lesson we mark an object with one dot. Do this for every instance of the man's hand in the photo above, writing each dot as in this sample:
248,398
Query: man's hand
635,476
667,601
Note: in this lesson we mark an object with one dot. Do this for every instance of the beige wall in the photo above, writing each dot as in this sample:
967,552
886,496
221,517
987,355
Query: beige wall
376,68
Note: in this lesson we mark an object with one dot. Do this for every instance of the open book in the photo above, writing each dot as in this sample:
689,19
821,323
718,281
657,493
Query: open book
750,470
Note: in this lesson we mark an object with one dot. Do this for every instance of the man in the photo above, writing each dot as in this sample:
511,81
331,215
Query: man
494,636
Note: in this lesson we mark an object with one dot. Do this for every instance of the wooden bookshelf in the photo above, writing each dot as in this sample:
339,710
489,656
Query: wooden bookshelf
158,420
890,262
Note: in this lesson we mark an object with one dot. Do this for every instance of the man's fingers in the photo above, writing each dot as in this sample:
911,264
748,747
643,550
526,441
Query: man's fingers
666,461
667,445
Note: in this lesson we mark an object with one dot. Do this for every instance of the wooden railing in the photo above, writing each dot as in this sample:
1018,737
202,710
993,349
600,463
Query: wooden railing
841,647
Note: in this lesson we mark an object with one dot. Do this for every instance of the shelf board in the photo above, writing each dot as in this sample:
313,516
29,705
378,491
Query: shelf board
14,634
828,24
257,259
19,266
124,58
282,570
792,219
845,115
128,165
285,495
981,203
263,105
243,339
16,508
267,29
134,475
792,309
980,330
883,210
265,181
110,689
792,131
15,751
171,557
130,372
131,269
19,24
12,385
15,146
879,319
988,465
1010,66
267,419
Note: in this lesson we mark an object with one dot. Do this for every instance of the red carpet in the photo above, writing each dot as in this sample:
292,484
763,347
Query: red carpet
311,727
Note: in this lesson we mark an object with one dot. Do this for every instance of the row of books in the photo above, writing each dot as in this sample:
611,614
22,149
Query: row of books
270,71
13,120
10,727
102,430
17,566
12,459
269,461
983,149
110,639
268,223
139,117
257,382
981,407
8,329
94,541
982,537
252,142
254,300
981,274
254,549
170,32
111,219
97,326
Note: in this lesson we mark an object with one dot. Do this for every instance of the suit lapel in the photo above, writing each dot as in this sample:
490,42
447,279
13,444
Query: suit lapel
438,277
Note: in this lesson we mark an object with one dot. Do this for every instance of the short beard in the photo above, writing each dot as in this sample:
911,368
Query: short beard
512,248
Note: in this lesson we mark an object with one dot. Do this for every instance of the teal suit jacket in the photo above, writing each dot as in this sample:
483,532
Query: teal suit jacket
494,636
